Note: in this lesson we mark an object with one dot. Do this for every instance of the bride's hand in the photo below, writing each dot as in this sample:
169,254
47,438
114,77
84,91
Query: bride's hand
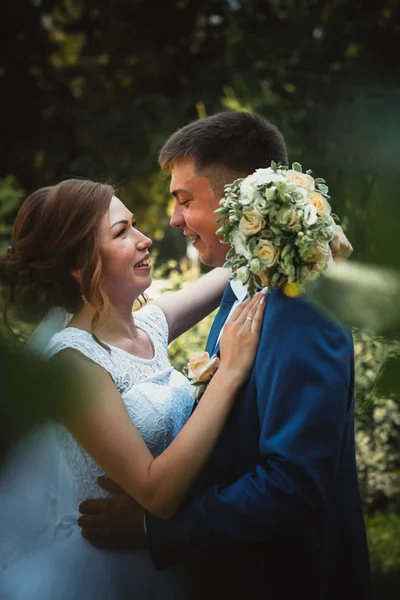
239,341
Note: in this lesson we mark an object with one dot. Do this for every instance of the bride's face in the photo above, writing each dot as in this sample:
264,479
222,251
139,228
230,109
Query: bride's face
125,254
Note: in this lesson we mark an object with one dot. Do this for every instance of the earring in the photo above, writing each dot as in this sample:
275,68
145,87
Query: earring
84,299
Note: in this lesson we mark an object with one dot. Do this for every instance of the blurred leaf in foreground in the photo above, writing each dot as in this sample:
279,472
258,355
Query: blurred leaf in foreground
362,296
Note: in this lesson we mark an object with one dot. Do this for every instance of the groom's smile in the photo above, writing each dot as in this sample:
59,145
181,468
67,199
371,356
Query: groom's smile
194,204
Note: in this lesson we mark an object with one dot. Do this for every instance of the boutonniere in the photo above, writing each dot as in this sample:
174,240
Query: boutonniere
200,370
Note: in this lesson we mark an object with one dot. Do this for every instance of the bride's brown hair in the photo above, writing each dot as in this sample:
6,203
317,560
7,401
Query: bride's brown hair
55,232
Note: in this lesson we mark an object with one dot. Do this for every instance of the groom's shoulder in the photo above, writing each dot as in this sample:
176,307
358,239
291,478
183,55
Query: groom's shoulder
301,315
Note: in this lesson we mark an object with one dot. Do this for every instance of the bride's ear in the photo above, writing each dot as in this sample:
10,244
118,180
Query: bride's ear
77,274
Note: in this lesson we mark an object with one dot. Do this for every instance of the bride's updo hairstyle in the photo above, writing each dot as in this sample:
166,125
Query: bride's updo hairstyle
55,232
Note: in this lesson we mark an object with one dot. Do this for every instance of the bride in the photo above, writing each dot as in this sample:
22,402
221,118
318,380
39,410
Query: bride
76,246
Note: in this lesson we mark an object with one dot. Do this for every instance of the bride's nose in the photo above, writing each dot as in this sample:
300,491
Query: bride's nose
144,242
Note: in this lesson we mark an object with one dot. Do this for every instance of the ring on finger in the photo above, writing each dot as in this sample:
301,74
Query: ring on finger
249,318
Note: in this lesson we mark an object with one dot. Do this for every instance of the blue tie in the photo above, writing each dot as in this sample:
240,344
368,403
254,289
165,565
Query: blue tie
228,299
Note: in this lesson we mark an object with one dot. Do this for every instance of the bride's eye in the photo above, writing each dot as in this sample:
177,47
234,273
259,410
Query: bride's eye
121,232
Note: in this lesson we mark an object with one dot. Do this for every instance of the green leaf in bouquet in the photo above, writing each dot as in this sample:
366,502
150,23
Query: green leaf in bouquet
323,189
251,286
297,167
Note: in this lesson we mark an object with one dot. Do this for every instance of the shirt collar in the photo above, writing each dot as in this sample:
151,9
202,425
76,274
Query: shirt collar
239,289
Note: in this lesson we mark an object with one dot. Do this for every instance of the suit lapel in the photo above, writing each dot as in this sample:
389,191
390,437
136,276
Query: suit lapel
227,301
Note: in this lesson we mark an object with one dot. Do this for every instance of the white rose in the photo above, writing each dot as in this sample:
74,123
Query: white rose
300,195
263,176
239,244
260,205
247,191
267,253
242,274
270,193
255,265
310,215
251,224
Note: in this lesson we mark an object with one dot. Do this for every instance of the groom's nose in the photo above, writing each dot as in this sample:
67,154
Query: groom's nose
177,218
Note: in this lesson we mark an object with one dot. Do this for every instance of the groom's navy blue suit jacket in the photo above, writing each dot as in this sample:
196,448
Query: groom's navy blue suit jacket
277,509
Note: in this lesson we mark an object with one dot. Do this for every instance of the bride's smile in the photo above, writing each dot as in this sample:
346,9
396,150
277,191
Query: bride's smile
124,252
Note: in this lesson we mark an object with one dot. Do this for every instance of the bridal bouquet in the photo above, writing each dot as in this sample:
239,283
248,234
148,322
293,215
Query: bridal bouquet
279,224
200,369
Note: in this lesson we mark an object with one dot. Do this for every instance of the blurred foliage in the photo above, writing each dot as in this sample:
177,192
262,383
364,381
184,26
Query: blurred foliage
384,543
11,196
377,423
32,391
362,296
92,88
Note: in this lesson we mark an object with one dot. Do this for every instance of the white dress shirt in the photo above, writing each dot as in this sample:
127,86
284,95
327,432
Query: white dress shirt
240,292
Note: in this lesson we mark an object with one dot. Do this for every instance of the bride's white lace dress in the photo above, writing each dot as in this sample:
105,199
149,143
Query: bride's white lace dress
63,565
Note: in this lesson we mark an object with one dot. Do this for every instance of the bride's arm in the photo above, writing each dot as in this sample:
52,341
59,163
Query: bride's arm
188,306
101,423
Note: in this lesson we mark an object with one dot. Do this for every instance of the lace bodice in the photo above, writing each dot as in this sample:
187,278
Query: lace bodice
156,396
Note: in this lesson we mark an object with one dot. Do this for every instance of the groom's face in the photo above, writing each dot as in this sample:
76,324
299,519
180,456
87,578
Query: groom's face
194,204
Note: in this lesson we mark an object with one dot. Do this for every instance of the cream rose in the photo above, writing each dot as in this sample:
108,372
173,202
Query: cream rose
252,224
267,253
287,217
201,367
321,204
301,179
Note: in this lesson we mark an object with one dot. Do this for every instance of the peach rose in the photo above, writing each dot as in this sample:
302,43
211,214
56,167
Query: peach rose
252,224
266,252
201,367
320,202
301,179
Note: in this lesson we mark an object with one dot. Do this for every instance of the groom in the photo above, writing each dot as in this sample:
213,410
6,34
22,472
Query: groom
277,510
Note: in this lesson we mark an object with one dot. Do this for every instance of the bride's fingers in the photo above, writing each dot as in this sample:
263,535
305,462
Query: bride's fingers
239,309
258,316
249,309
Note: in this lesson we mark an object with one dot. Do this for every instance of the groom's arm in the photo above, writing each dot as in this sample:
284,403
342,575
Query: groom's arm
303,381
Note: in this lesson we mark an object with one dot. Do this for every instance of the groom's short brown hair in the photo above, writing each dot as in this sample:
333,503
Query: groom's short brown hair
226,146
